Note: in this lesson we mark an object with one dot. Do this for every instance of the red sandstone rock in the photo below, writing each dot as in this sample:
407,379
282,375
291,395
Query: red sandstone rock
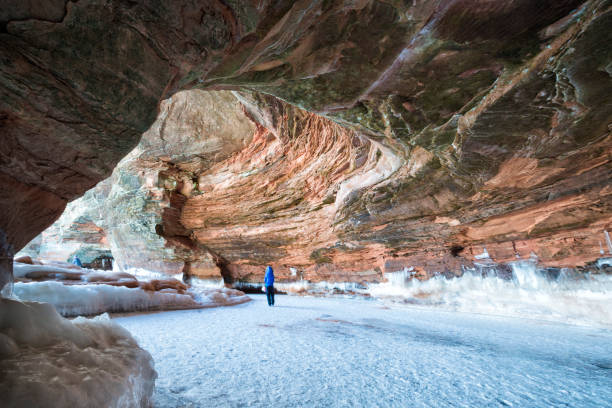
24,259
157,285
467,123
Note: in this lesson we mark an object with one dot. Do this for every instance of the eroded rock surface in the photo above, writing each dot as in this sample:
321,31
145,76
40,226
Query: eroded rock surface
81,81
439,128
150,186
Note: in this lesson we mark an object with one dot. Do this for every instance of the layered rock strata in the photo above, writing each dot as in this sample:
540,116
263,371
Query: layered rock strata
466,124
150,186
280,192
125,214
81,81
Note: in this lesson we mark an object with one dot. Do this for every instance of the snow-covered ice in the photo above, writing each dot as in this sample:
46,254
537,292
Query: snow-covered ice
49,361
21,270
80,291
77,300
332,352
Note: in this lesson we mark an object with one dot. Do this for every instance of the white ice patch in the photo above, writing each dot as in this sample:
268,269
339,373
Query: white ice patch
584,300
203,284
49,361
293,287
20,270
76,300
601,262
205,292
484,255
320,288
146,274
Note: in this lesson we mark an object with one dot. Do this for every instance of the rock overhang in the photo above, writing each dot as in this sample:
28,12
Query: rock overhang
514,87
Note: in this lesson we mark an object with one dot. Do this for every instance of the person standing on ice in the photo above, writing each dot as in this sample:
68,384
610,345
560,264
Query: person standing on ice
269,284
77,261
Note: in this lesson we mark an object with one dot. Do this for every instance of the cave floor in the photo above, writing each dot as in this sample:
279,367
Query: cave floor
336,352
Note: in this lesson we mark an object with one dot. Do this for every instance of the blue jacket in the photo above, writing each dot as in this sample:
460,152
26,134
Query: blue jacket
77,261
269,279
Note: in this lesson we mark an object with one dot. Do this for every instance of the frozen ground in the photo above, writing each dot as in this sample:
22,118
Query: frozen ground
331,352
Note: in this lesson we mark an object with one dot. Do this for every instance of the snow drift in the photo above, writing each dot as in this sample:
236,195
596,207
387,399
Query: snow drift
49,361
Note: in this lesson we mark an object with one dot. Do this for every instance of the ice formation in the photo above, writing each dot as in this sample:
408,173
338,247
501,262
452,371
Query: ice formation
521,290
76,291
530,292
53,271
305,287
47,360
484,255
219,297
76,300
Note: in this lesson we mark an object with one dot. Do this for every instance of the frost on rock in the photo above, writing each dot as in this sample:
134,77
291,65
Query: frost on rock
220,297
49,361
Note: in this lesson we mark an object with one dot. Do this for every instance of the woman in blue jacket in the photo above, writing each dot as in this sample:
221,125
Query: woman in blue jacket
269,283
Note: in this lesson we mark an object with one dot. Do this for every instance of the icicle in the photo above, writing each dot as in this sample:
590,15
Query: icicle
608,242
7,290
542,293
484,255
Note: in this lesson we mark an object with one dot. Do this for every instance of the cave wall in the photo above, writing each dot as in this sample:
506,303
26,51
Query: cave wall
79,84
194,130
485,124
224,184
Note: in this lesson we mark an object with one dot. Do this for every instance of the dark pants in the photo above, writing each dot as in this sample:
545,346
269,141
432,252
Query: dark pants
270,295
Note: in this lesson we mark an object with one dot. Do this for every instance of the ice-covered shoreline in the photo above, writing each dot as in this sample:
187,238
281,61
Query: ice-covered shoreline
88,300
474,321
528,292
520,289
77,291
327,351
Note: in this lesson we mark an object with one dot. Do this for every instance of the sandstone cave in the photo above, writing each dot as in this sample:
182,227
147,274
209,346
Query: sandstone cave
430,181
